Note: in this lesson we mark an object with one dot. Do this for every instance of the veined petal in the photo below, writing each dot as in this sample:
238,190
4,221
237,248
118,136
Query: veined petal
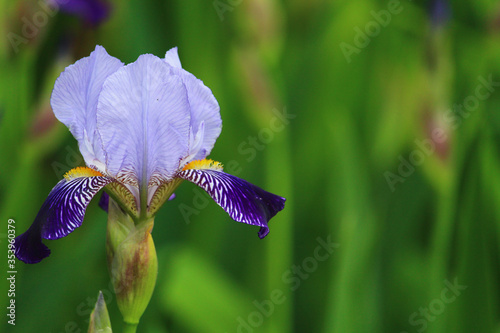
161,194
74,101
143,118
244,202
195,143
204,109
61,213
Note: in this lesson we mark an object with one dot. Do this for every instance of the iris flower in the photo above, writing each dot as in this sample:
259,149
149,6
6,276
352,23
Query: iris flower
91,11
142,129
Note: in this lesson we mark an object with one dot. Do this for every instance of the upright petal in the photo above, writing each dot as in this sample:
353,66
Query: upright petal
172,58
205,111
143,118
61,213
244,202
74,101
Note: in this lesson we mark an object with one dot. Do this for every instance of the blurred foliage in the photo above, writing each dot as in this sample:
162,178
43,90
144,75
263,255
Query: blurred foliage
391,152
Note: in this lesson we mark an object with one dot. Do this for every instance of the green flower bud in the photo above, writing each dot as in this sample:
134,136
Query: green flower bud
132,262
99,318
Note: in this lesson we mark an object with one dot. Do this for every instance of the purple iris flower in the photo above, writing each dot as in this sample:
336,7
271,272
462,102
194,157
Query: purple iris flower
439,11
91,11
142,128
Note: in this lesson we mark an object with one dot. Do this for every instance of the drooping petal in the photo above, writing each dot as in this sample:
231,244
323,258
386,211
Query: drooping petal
29,247
204,109
74,101
244,202
61,213
143,118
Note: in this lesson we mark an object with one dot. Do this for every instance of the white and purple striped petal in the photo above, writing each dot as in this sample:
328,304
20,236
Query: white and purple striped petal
74,101
206,123
61,213
143,118
244,202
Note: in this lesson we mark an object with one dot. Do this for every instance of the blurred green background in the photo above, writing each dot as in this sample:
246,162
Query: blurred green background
389,154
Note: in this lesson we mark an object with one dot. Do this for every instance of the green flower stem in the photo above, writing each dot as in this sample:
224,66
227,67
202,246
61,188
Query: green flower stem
130,328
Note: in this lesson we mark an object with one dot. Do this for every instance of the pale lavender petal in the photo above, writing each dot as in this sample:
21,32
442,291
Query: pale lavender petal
143,118
74,101
61,213
244,202
204,109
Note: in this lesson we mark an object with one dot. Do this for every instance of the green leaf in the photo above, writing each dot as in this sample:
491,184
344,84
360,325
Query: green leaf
200,295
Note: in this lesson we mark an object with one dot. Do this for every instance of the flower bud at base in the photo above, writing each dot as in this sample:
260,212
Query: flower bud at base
132,262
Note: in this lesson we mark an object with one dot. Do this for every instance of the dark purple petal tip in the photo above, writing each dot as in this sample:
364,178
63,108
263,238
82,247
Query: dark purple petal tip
29,247
61,213
263,231
243,201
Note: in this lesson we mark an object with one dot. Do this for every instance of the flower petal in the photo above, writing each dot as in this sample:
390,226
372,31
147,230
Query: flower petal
74,101
243,201
204,109
172,58
61,213
143,118
104,201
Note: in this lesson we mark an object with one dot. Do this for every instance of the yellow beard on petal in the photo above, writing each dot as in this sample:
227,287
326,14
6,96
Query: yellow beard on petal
81,172
204,164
